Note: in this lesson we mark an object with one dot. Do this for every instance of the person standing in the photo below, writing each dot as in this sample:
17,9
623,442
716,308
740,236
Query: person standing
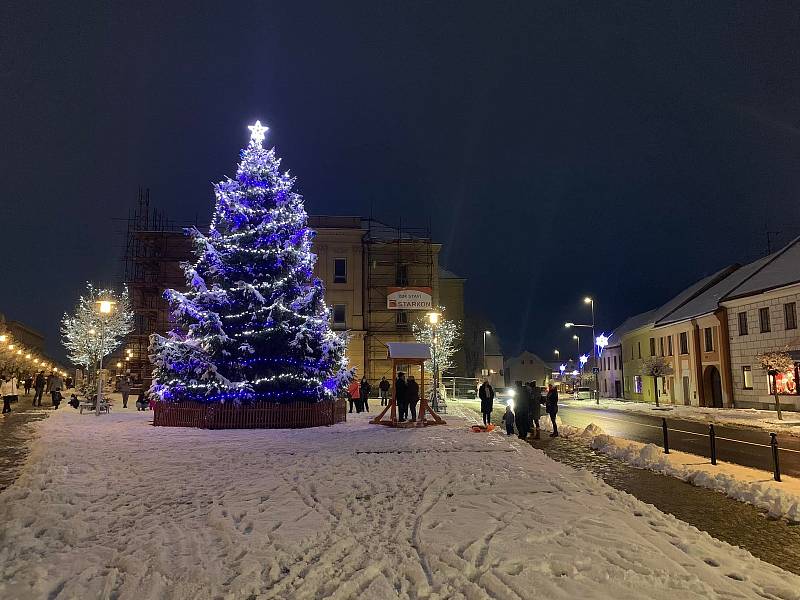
400,395
384,386
521,410
536,408
28,384
508,419
38,388
8,390
56,384
551,406
412,396
486,394
125,388
353,393
363,392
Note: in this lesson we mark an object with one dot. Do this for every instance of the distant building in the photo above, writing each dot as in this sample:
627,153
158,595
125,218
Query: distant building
527,367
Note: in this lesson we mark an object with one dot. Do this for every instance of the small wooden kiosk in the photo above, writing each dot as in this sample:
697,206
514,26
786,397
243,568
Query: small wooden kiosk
406,353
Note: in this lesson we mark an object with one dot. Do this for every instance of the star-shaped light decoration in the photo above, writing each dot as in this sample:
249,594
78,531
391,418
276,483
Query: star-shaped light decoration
257,132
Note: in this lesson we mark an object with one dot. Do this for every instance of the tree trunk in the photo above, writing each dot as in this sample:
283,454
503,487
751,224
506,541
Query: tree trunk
655,388
778,405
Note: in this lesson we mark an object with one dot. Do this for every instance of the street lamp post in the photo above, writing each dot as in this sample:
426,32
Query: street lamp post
595,357
433,318
105,307
485,333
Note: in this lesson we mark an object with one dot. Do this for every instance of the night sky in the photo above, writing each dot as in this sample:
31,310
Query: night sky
557,150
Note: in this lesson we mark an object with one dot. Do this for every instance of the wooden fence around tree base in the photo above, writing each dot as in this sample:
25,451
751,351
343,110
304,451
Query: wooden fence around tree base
249,416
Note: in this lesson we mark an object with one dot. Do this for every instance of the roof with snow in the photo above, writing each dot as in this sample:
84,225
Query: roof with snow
708,300
630,324
776,270
408,351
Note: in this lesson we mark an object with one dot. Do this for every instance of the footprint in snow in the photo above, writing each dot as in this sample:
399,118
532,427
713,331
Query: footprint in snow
711,562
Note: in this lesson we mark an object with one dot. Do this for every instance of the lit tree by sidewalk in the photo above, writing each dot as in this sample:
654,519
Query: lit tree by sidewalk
444,340
89,335
774,363
655,367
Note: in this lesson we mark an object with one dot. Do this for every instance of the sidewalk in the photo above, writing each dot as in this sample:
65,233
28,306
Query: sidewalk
744,417
349,511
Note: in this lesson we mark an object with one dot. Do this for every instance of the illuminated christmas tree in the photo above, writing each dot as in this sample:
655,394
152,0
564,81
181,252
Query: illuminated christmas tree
253,326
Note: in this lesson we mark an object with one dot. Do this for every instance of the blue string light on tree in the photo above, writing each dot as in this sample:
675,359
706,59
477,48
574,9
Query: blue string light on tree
253,326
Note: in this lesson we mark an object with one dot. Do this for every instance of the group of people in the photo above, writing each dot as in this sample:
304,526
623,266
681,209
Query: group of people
528,402
53,384
406,390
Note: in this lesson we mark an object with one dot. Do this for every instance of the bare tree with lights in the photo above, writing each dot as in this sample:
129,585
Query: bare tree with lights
655,367
89,335
443,338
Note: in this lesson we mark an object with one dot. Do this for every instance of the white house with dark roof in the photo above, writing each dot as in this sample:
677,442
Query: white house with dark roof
762,317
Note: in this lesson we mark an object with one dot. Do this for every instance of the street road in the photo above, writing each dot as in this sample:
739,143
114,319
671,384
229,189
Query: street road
745,447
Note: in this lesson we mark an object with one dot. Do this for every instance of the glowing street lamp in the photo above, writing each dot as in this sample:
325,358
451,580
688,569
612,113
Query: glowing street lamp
104,307
3,337
485,333
557,353
433,318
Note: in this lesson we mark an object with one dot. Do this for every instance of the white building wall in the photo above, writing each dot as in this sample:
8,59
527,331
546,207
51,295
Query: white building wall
745,348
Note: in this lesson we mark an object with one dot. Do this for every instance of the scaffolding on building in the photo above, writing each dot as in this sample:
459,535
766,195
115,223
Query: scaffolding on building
154,249
394,256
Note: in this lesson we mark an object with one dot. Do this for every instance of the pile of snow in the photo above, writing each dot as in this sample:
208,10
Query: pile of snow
111,507
764,494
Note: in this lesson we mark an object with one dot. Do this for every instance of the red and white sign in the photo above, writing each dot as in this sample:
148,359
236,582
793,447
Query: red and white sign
409,298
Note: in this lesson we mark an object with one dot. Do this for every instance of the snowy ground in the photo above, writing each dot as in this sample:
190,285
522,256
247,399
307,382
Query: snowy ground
749,417
111,507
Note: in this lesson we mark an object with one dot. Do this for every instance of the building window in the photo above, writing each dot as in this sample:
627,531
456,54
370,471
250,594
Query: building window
615,362
652,347
402,274
669,345
639,346
339,316
742,323
747,377
401,319
709,337
339,270
790,315
637,384
763,319
605,386
661,346
684,343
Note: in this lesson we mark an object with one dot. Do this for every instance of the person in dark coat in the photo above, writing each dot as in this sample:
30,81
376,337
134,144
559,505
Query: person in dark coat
536,407
551,406
412,396
125,389
508,419
384,387
521,410
486,394
400,394
28,384
363,392
38,388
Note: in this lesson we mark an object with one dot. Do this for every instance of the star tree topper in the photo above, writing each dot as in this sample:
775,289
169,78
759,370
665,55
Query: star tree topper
257,132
